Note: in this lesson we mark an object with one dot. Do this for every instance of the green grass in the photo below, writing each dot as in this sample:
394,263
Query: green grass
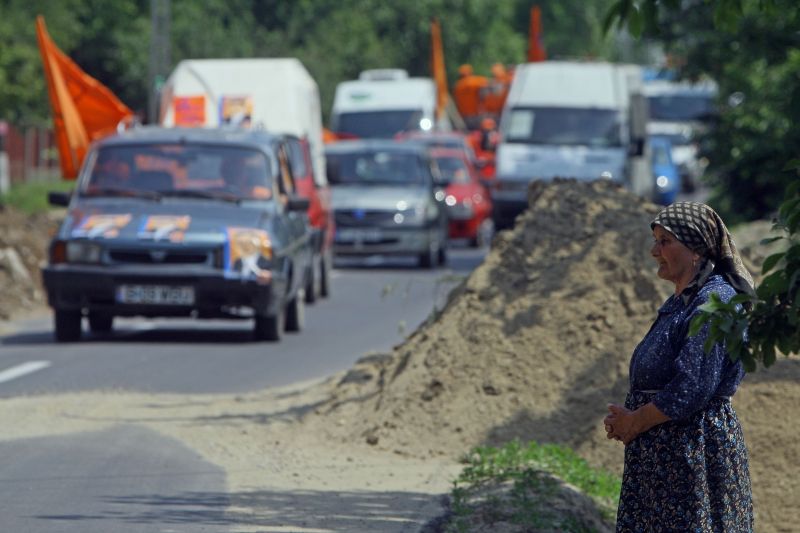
528,469
31,196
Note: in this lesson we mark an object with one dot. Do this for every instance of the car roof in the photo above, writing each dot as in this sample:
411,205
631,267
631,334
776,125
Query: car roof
448,152
365,145
239,137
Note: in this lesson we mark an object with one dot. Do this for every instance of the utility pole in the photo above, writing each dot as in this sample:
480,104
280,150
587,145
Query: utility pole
158,66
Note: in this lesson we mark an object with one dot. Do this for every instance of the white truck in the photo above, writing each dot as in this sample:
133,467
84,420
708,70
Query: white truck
384,102
583,120
276,94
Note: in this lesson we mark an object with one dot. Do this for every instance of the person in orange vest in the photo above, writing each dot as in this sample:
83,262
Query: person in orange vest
467,93
495,94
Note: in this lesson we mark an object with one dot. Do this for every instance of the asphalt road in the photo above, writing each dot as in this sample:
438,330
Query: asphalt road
129,479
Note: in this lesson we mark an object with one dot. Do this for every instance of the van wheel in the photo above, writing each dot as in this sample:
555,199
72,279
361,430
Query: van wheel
295,312
441,256
67,324
100,322
269,327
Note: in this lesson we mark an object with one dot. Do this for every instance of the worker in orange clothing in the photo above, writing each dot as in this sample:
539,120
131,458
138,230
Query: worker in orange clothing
494,96
467,93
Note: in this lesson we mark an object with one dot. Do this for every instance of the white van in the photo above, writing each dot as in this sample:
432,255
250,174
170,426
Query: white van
384,102
583,120
276,94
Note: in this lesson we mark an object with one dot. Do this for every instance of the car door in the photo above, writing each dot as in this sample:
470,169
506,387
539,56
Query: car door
298,247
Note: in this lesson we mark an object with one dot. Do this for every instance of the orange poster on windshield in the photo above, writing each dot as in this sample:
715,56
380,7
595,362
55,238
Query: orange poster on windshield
189,110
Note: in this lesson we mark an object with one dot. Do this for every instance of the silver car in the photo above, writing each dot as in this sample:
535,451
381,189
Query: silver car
384,196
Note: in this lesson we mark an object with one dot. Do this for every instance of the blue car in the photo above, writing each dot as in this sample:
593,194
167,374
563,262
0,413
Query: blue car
181,222
667,180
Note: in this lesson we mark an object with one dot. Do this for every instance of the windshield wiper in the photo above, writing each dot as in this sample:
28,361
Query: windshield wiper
212,195
126,193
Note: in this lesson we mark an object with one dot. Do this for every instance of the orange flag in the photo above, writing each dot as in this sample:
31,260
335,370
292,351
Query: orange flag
83,108
536,50
437,66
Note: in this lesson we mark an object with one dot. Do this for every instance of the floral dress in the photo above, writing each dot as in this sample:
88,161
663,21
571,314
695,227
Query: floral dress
689,474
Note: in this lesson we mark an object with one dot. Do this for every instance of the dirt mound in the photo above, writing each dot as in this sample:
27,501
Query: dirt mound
537,341
23,248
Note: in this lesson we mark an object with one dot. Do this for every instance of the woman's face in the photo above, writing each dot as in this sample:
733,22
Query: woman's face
674,259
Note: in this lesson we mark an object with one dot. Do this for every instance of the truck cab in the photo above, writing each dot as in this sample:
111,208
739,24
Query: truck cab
582,120
384,102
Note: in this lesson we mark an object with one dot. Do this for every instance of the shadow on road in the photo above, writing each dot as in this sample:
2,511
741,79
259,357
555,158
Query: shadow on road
309,510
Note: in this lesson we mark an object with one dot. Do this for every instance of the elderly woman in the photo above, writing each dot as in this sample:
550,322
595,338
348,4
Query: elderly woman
685,457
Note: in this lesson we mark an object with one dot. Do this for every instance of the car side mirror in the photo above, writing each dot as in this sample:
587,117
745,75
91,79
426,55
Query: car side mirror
298,203
59,198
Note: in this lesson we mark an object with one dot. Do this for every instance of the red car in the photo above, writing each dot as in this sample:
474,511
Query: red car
469,206
320,215
482,160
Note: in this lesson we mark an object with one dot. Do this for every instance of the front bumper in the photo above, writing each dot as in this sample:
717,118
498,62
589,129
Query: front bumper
95,288
387,241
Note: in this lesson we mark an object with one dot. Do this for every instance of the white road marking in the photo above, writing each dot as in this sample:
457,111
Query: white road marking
20,370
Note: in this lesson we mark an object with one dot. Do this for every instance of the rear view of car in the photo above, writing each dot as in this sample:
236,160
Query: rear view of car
384,201
180,223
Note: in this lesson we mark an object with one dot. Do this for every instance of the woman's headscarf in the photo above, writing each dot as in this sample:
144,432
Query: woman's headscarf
700,228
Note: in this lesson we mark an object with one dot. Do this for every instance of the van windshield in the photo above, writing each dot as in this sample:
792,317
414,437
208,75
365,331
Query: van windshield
377,124
379,167
681,108
563,126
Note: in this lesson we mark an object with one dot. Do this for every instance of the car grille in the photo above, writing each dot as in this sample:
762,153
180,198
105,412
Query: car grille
356,218
163,257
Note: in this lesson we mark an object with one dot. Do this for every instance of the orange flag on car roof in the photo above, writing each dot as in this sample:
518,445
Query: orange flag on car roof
83,108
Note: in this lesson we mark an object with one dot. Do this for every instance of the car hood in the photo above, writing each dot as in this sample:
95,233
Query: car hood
169,221
531,161
376,197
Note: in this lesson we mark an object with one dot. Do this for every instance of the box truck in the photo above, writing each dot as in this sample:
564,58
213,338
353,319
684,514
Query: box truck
583,120
384,102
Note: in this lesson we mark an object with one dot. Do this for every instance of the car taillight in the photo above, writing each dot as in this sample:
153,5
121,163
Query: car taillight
58,252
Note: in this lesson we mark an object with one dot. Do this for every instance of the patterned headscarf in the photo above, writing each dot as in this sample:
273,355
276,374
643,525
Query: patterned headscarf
700,228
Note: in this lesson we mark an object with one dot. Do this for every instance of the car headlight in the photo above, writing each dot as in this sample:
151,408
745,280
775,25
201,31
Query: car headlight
662,182
416,216
83,252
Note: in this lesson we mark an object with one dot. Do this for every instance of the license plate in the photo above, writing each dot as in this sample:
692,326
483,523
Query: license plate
155,294
359,235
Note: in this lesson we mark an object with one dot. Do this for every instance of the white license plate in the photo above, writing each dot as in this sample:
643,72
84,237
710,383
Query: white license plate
155,294
359,235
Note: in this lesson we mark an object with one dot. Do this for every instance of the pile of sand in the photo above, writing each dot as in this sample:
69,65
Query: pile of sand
23,247
537,341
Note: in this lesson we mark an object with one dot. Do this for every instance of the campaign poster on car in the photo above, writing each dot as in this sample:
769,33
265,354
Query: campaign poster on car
236,110
165,227
248,254
190,111
106,226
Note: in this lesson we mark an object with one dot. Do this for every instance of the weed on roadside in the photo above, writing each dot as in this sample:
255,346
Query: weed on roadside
531,488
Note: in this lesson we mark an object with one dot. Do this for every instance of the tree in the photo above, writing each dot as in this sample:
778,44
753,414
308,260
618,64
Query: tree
772,317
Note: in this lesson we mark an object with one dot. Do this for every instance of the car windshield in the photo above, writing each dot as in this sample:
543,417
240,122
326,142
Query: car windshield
453,169
563,126
681,107
377,124
180,169
381,167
